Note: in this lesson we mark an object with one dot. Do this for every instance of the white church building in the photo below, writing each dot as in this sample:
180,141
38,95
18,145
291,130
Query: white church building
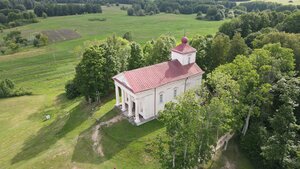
145,91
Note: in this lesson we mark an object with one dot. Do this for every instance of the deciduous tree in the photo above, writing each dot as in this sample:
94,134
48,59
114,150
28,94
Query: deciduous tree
237,47
162,49
135,59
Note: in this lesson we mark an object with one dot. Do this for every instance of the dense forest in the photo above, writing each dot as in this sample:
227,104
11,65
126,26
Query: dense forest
15,13
205,10
19,12
54,9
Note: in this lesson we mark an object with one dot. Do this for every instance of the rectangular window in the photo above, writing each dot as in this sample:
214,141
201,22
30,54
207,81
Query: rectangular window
161,98
175,92
189,60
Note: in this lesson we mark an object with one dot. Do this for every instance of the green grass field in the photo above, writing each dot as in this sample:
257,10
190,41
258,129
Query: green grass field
64,141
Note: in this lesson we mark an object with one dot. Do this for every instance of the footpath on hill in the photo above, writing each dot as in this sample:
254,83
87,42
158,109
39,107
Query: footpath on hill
96,135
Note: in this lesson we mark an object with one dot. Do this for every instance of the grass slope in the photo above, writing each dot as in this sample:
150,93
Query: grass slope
51,66
26,141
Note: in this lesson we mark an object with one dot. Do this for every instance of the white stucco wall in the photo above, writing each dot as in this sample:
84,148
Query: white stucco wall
150,105
146,100
184,58
149,100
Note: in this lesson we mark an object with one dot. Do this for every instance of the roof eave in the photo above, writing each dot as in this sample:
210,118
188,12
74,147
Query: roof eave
177,51
127,87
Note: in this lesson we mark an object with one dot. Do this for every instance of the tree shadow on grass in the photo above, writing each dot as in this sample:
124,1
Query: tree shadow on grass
50,134
114,139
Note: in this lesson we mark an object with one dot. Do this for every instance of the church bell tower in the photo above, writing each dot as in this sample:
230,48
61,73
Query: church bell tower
184,53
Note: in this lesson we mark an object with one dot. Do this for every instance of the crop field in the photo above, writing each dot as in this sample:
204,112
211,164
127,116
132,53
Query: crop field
64,141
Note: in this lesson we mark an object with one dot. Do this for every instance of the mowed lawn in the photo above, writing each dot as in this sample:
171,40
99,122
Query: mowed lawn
64,141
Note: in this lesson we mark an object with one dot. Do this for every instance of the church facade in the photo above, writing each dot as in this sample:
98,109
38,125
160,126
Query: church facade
145,91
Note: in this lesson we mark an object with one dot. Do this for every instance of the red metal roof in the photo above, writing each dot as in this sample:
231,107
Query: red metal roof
184,47
157,75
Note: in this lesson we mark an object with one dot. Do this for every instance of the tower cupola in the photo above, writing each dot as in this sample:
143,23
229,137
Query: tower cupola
184,53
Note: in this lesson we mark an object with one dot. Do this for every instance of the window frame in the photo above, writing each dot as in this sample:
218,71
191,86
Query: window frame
175,92
161,97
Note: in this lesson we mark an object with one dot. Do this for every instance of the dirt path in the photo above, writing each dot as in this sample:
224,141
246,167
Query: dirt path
228,164
96,135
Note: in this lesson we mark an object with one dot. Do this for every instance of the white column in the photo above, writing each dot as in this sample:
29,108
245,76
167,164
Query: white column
130,106
123,100
117,95
137,110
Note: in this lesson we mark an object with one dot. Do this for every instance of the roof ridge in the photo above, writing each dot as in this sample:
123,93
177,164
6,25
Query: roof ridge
151,65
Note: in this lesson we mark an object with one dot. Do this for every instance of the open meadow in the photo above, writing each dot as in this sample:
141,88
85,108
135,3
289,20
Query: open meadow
65,141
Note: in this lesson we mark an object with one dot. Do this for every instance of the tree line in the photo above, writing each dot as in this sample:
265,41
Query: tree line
53,9
145,7
13,41
101,60
15,13
205,10
261,6
254,96
261,28
102,2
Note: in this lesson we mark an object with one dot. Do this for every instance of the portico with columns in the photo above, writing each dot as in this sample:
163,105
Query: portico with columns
127,102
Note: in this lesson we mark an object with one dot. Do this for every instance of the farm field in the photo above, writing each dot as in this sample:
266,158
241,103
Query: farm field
64,141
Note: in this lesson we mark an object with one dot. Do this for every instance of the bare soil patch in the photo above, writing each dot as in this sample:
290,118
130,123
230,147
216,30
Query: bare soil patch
61,35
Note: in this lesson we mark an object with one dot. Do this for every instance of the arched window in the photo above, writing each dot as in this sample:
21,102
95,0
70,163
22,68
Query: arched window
161,97
175,92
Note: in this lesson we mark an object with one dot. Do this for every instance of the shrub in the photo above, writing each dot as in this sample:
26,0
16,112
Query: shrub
128,36
71,90
176,11
97,19
40,40
7,89
124,8
140,12
130,12
44,15
13,46
3,18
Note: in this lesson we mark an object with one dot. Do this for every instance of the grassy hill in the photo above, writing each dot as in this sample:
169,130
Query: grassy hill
64,141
